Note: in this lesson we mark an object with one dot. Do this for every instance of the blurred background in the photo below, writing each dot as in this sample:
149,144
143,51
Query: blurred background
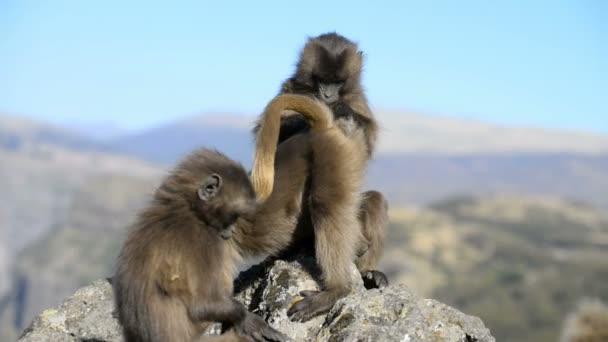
493,150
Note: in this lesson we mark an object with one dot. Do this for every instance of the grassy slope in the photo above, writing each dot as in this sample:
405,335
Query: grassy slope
520,263
77,249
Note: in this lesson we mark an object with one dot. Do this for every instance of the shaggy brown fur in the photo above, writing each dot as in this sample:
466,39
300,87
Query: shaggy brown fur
175,272
589,323
329,69
319,174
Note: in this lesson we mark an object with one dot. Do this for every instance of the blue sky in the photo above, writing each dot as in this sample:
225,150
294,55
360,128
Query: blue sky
142,63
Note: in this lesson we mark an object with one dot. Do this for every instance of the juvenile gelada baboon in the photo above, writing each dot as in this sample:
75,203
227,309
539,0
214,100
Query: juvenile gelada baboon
175,271
319,174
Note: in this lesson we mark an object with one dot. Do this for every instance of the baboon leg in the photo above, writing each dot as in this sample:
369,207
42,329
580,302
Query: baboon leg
373,216
334,205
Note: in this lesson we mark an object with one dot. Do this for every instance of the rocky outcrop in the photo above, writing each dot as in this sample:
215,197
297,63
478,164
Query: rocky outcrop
390,314
88,315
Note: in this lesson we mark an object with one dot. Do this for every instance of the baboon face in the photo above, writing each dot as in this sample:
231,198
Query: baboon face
223,204
329,68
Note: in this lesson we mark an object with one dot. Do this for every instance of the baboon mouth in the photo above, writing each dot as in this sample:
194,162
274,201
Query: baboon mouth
227,232
329,100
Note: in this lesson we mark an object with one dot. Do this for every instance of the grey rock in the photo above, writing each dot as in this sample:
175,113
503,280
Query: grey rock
88,315
269,289
396,314
276,286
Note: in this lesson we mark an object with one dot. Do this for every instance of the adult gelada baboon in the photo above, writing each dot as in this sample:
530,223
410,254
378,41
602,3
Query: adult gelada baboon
329,70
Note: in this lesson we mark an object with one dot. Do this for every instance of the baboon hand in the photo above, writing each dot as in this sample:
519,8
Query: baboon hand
313,304
255,327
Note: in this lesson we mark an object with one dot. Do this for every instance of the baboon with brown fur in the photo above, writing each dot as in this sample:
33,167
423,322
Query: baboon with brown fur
175,272
319,175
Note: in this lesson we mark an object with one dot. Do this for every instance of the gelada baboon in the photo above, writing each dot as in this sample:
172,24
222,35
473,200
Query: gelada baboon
175,272
319,174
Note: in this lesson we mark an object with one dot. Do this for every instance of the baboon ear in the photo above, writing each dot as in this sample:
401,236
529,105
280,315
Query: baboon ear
210,187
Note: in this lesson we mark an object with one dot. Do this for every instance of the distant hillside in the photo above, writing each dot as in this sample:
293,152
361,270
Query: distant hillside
520,263
41,166
418,178
17,132
54,161
401,133
100,131
467,156
404,132
67,199
81,245
424,158
225,132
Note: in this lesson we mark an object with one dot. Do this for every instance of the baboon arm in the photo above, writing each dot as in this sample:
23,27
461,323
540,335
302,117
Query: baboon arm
227,310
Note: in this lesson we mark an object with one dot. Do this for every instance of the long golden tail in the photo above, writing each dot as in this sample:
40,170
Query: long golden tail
316,112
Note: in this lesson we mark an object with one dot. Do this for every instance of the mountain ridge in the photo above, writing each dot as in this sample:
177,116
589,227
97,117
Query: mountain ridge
400,133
